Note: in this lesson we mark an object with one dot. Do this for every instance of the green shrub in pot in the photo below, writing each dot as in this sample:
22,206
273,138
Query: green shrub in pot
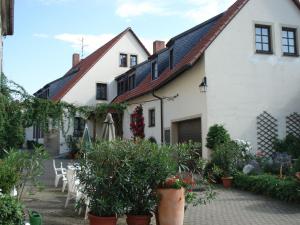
99,175
147,165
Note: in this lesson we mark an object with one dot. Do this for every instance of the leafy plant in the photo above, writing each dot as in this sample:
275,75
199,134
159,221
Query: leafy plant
289,144
100,177
283,189
137,124
226,158
11,211
216,135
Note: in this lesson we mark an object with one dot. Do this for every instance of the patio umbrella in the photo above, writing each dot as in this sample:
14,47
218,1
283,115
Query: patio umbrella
86,139
108,131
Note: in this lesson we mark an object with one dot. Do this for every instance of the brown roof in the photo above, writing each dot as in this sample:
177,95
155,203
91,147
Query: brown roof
86,64
148,85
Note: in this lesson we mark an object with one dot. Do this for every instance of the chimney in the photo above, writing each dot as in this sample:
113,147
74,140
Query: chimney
157,46
76,59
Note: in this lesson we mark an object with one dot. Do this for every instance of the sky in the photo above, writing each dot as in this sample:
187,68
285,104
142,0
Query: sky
48,32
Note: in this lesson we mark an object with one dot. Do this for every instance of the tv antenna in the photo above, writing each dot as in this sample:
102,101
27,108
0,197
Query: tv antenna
82,47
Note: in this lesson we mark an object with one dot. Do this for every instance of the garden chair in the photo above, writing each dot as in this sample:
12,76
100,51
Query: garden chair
64,178
58,173
73,191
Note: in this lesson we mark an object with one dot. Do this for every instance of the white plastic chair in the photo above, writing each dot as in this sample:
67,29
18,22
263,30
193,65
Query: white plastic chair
58,173
73,192
64,178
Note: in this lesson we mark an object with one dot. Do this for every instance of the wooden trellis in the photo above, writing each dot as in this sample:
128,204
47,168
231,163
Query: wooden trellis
293,124
267,132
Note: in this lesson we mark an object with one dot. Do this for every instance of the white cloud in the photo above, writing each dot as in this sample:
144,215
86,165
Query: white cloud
90,42
93,42
40,35
133,8
195,10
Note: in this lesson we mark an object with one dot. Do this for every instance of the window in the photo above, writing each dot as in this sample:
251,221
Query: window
101,91
289,41
263,39
123,60
171,60
152,118
37,132
122,86
154,70
131,82
133,60
79,124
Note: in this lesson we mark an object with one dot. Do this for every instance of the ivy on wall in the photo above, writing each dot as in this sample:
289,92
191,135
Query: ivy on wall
19,110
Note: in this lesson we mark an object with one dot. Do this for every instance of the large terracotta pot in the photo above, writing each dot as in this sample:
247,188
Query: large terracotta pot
96,220
227,182
138,220
171,206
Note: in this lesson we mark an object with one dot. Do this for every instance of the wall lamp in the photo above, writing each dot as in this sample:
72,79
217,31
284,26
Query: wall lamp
203,86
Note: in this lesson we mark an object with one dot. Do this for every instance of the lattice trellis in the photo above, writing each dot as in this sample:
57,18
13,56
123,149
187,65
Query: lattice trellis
293,124
267,132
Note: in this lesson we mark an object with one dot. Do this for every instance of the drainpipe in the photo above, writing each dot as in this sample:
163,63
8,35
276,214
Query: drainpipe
161,117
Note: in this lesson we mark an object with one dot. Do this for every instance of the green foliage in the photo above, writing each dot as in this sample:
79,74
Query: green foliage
11,211
18,168
283,189
188,157
226,157
290,144
296,166
216,135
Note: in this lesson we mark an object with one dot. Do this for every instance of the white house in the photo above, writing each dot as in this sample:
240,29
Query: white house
88,82
240,68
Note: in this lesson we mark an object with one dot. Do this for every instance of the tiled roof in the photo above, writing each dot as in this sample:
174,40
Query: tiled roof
200,38
58,88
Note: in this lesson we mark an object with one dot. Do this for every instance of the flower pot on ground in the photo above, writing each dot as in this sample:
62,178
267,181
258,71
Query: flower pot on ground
227,181
138,220
97,220
100,178
171,206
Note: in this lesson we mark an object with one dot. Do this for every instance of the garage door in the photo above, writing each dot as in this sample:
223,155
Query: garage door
189,130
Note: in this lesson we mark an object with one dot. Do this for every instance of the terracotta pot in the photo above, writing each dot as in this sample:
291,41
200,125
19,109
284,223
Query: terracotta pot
171,206
97,220
138,220
227,182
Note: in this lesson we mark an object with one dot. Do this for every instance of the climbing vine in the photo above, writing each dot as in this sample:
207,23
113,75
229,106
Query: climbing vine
19,110
137,123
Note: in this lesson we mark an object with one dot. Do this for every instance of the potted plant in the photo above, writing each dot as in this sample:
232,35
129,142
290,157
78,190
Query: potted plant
99,175
11,210
147,166
225,158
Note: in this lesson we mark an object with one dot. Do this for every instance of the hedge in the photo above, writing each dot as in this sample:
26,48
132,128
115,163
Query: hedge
287,189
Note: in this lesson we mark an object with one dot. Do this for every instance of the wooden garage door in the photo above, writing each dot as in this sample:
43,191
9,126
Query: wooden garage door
189,130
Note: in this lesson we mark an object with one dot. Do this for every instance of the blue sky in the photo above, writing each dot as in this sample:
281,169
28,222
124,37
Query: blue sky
48,32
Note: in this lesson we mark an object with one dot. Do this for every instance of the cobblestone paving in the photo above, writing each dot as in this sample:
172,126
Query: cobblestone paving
231,207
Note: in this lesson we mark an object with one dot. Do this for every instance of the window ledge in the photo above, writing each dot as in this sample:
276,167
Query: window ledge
290,55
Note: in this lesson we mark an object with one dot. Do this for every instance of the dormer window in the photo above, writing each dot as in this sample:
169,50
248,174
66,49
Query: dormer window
171,59
154,70
131,82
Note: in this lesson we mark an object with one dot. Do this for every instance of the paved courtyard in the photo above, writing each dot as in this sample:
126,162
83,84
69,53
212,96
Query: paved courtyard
231,207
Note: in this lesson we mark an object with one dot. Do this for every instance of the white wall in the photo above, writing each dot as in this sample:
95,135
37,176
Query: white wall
190,103
105,71
242,84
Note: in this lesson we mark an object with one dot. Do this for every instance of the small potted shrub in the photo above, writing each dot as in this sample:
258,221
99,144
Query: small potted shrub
225,158
147,165
99,175
11,211
216,135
